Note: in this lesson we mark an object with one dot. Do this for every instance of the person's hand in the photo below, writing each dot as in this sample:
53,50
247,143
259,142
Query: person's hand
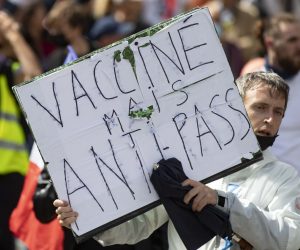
245,245
65,214
201,194
8,26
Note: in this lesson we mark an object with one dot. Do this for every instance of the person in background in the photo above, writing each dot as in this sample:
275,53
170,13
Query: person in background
31,17
234,21
17,63
121,19
280,36
233,52
14,47
67,23
155,11
269,8
262,200
237,19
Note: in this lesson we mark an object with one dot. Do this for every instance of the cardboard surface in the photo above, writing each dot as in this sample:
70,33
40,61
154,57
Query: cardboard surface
84,117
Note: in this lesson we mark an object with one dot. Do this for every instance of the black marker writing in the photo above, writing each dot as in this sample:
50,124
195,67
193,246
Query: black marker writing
210,105
59,120
110,122
185,20
131,106
187,50
249,126
179,128
117,81
102,175
74,76
67,170
144,64
122,179
96,82
158,147
208,132
156,101
118,166
186,95
156,49
142,167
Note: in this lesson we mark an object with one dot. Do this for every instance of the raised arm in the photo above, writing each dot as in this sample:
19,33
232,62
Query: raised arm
24,54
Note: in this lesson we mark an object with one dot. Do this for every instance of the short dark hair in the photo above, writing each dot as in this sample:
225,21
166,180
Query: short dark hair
251,80
75,16
271,26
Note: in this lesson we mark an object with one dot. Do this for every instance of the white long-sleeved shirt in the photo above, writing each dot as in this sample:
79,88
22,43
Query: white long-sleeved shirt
264,210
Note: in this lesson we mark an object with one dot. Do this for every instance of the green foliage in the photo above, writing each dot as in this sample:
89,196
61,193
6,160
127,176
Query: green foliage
128,55
142,113
117,55
145,45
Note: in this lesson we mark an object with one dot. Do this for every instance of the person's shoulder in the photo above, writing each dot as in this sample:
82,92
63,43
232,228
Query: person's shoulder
278,167
253,65
283,169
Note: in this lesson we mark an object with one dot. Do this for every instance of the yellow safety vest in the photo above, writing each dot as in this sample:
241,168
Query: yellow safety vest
13,152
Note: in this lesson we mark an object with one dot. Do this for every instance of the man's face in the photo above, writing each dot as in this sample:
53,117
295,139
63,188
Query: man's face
287,47
265,109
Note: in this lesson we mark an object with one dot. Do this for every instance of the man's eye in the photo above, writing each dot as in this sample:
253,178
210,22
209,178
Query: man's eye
260,107
279,112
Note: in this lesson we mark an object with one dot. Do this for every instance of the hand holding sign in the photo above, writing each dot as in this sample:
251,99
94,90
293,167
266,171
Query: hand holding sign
102,121
65,214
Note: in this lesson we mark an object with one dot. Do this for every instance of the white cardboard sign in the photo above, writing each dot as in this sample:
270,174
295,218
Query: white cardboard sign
99,157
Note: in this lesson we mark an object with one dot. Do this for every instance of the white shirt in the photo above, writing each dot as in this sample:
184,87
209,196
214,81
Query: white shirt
264,211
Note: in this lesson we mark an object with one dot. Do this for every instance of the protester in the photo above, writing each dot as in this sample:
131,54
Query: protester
281,38
263,200
155,11
270,8
13,46
67,23
17,63
31,17
121,19
23,222
231,48
234,21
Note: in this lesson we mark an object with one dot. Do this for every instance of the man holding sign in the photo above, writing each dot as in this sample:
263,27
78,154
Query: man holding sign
102,121
263,200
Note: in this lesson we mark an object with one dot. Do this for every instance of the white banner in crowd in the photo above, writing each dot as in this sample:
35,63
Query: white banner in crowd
103,121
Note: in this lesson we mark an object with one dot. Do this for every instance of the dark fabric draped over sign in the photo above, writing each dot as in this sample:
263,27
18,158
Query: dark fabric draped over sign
194,228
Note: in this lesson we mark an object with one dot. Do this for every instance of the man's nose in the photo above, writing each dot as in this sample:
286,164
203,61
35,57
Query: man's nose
269,119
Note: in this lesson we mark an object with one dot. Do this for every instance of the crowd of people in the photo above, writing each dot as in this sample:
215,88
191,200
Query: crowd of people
257,36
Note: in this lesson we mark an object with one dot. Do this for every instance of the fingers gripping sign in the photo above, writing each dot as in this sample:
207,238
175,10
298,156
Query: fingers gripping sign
65,214
200,195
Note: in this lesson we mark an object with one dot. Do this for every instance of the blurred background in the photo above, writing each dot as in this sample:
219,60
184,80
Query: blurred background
34,38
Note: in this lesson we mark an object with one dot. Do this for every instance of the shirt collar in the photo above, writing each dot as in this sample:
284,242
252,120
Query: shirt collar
285,75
